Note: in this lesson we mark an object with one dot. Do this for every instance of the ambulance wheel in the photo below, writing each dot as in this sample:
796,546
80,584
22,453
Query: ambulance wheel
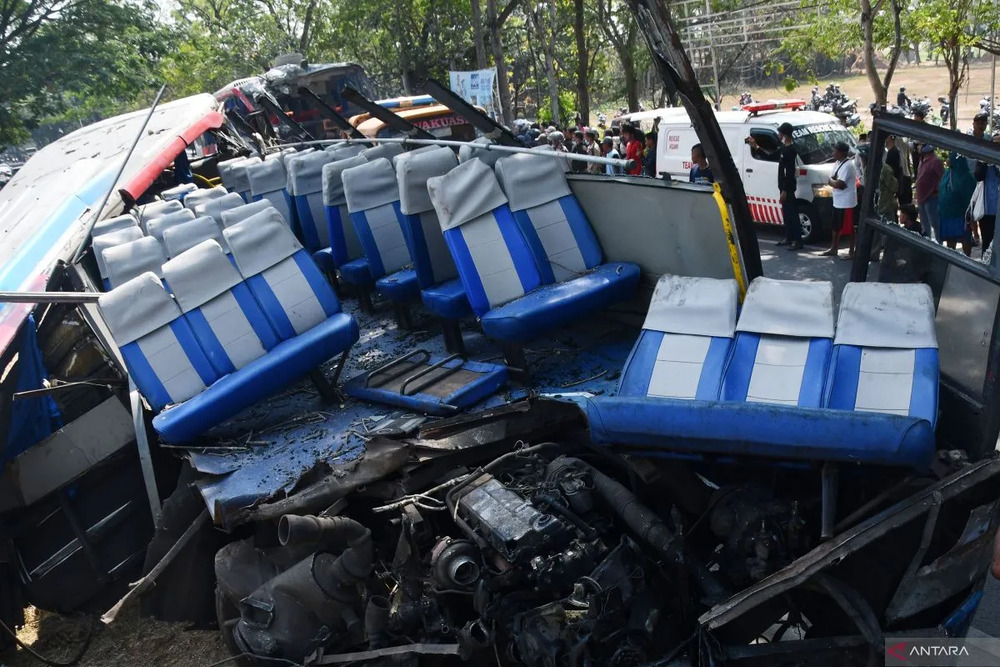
809,223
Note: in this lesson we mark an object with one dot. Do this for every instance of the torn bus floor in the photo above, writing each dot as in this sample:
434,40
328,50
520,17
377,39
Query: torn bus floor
264,452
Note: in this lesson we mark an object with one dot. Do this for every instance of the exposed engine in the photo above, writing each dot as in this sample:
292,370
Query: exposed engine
531,560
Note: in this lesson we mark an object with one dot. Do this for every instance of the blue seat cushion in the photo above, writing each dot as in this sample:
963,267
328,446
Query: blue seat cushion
399,286
551,306
324,260
473,390
356,272
285,363
787,433
447,300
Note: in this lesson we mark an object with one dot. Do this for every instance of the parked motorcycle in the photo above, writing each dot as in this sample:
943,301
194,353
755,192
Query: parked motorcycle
945,110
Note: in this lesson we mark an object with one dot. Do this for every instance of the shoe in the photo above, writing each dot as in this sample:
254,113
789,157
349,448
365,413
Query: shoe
828,253
795,246
781,243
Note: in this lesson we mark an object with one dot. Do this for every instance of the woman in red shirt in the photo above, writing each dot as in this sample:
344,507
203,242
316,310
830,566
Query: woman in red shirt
633,148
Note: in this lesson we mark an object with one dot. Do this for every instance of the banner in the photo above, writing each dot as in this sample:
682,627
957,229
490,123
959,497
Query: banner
475,87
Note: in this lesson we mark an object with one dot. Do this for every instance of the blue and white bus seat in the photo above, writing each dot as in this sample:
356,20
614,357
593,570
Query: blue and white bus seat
343,260
296,298
784,340
187,235
155,209
685,340
178,192
156,226
429,384
556,228
388,151
240,179
440,288
226,172
372,194
203,195
267,181
876,389
241,213
500,267
469,152
415,151
165,350
110,240
113,225
132,259
305,180
214,207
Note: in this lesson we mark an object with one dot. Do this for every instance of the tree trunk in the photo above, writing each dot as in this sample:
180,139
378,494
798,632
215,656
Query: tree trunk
494,25
306,26
631,80
868,51
548,58
582,67
477,35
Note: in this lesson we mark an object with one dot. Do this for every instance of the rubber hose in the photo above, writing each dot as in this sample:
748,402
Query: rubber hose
294,529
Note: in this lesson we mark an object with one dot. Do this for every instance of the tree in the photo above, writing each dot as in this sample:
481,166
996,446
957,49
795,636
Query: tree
582,63
495,19
622,31
97,55
869,25
545,24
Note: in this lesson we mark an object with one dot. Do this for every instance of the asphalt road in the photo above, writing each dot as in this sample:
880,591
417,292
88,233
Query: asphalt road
807,264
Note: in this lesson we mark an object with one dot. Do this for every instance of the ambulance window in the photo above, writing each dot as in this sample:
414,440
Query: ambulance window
767,142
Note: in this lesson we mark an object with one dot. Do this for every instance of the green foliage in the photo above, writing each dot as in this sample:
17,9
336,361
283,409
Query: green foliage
73,60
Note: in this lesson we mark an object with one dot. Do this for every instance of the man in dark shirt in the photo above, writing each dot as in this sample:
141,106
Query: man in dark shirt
787,172
701,172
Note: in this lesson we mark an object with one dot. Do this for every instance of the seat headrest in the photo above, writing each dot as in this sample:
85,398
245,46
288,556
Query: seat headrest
369,185
199,197
694,306
412,171
531,180
267,176
157,208
469,152
226,172
788,308
465,193
110,240
238,174
137,308
305,173
344,151
189,234
333,182
388,151
156,226
241,213
280,155
415,151
129,260
113,225
887,315
178,191
288,160
200,274
260,242
214,207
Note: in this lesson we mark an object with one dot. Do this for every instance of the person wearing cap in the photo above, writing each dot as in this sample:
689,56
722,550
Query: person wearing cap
844,182
609,151
787,173
929,173
901,99
556,140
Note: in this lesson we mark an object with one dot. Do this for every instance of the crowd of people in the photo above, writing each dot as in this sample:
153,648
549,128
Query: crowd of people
627,142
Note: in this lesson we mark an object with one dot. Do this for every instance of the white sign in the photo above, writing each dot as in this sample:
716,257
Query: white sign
475,87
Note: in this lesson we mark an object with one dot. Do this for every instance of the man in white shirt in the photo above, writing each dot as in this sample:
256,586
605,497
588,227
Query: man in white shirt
844,182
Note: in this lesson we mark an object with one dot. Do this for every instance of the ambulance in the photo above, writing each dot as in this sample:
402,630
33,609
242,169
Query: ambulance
814,137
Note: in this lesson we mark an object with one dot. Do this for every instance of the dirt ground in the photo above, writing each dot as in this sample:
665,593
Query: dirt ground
130,641
925,80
